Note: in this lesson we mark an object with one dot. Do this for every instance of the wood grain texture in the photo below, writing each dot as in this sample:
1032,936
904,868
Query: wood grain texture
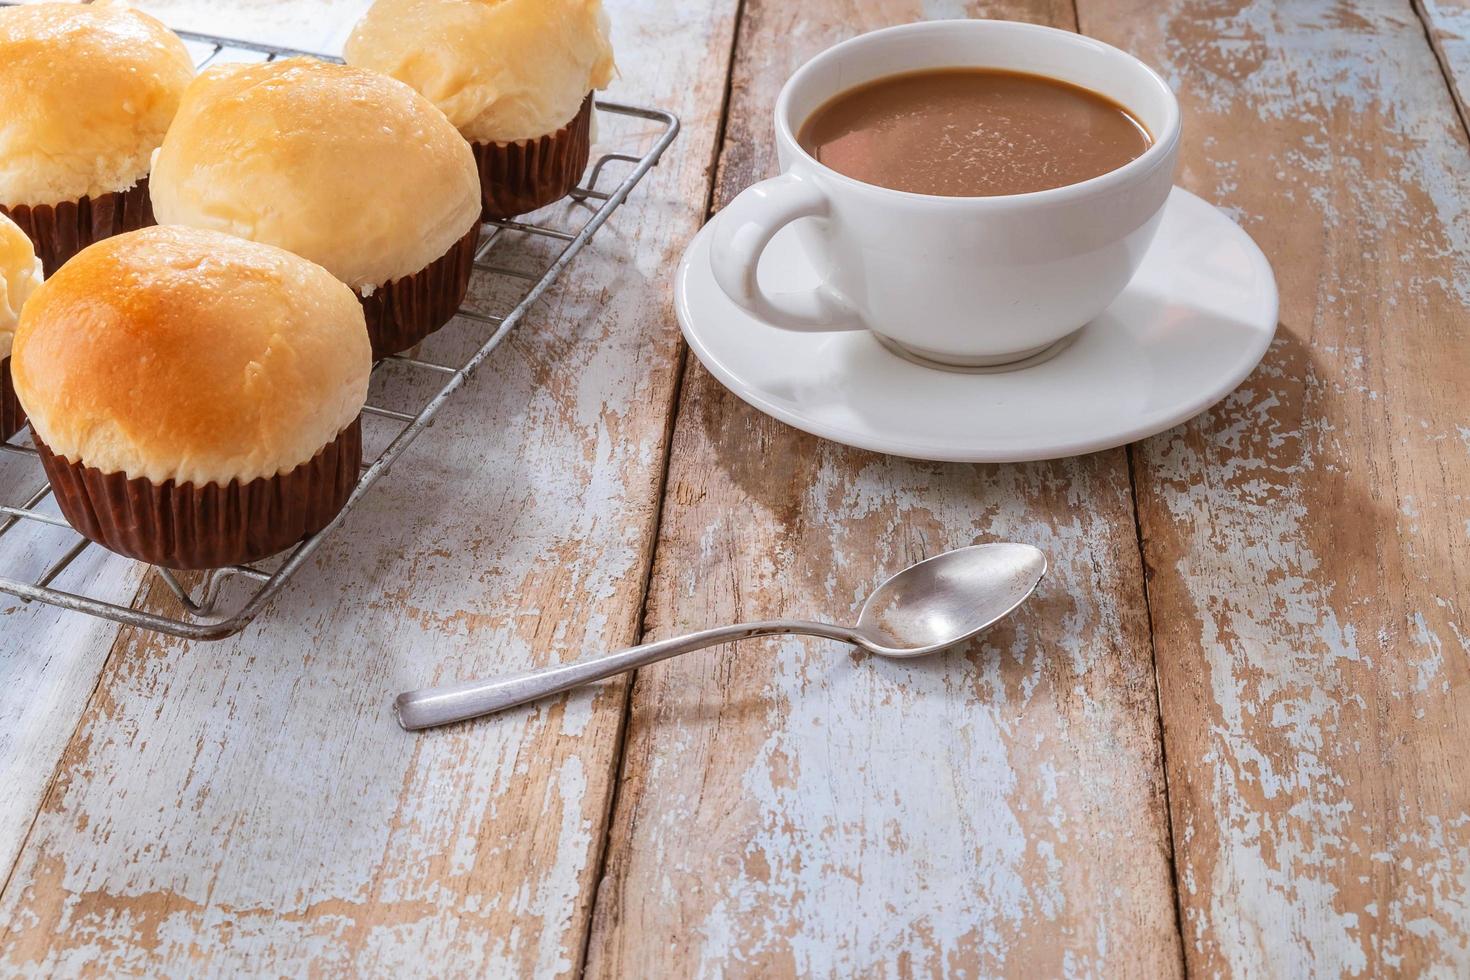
791,808
49,659
250,806
1307,539
1448,24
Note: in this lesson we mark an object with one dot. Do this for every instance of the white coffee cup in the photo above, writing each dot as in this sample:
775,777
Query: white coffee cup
955,280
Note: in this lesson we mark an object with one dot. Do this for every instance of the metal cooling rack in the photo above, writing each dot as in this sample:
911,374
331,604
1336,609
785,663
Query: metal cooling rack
202,610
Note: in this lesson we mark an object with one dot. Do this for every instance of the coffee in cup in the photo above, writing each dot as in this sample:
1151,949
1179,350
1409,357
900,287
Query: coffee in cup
971,132
998,254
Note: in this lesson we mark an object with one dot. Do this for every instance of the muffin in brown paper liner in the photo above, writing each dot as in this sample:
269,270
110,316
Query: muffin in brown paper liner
12,416
190,527
60,231
530,174
404,311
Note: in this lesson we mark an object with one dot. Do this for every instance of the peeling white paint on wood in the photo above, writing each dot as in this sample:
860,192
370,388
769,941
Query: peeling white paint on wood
1448,22
49,660
996,810
1303,65
916,766
1301,532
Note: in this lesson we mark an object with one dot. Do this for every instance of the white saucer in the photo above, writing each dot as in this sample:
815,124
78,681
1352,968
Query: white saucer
1190,326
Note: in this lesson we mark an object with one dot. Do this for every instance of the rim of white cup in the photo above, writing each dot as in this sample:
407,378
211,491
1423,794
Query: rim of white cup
1158,153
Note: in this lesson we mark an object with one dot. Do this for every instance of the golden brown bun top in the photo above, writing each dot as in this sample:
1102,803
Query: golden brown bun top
349,168
86,93
20,274
179,354
502,70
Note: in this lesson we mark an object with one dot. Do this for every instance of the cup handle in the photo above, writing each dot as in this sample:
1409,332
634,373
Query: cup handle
741,233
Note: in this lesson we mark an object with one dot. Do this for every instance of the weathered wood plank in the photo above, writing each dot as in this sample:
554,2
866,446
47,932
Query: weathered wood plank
49,659
1448,25
250,806
1307,539
49,662
790,808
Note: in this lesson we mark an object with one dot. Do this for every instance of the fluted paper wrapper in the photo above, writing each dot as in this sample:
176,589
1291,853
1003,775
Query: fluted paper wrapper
191,527
12,416
59,231
403,312
519,177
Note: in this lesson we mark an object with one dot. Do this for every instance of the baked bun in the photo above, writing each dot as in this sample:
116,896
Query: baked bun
20,274
187,355
502,70
348,168
86,93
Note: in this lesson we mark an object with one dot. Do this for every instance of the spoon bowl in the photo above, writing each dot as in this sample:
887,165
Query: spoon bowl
945,600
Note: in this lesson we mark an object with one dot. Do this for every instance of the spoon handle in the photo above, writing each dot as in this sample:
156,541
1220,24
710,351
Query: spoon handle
433,706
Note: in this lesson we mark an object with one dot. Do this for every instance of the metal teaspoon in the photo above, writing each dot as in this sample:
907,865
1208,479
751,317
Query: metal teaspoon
937,603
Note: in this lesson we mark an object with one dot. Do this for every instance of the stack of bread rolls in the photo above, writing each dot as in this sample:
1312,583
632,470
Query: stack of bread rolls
194,387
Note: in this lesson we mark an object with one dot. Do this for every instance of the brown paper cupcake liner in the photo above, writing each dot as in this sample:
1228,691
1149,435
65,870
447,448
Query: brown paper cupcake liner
12,416
191,527
403,312
60,231
530,174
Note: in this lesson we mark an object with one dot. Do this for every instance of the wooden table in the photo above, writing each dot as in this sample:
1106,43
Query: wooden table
1228,736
